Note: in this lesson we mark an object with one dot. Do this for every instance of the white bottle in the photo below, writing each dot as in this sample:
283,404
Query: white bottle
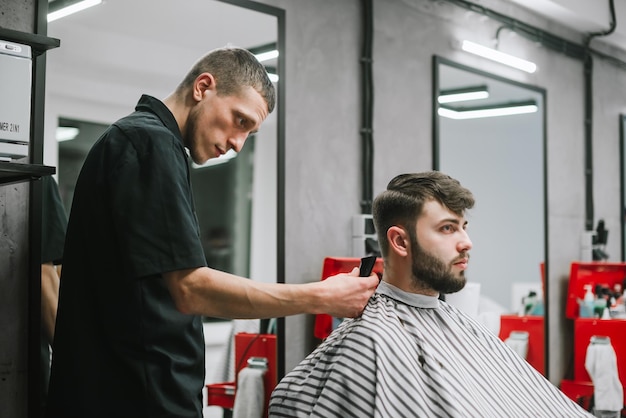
586,309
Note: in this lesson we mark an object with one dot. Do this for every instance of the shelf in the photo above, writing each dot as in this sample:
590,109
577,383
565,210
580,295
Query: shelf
17,172
38,43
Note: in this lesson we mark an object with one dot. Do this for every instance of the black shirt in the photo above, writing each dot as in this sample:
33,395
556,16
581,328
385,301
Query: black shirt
121,348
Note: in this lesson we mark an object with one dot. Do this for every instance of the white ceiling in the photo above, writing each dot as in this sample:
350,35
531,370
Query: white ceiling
583,16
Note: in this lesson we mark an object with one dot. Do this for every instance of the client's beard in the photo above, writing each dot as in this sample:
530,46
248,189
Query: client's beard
432,272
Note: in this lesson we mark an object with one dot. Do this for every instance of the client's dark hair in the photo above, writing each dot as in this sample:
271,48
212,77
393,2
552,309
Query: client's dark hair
402,202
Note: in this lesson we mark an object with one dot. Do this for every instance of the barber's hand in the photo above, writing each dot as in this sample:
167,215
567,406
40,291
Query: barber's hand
347,294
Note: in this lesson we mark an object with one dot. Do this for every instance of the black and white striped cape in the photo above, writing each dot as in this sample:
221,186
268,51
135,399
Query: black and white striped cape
412,355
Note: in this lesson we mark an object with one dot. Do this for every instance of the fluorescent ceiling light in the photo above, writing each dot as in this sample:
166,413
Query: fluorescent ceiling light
463,94
229,155
66,133
71,8
508,109
501,57
266,56
265,52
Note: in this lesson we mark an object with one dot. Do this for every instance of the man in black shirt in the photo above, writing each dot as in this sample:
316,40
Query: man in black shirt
135,283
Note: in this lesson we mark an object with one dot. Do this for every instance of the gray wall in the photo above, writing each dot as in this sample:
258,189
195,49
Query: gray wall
323,121
14,207
323,142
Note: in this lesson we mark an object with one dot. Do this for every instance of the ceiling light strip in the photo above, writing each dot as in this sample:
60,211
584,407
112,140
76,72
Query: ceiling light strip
462,97
486,113
71,9
500,57
266,56
66,133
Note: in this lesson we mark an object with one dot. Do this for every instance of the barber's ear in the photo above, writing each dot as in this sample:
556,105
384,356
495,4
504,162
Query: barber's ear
398,240
204,83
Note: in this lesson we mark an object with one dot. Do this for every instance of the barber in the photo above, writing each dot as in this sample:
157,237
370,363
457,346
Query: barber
128,339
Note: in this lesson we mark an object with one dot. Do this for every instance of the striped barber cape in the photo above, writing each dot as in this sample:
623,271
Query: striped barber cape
412,355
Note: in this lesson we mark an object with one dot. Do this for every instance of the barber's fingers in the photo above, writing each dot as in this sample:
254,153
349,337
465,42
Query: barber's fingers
372,281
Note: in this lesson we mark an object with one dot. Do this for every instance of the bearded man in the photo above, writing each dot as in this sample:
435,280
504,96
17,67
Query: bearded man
411,354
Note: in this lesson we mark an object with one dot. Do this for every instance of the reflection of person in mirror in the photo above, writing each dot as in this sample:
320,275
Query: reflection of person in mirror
135,282
53,226
411,354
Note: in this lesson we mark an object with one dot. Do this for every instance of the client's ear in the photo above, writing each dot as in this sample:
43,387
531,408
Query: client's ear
398,241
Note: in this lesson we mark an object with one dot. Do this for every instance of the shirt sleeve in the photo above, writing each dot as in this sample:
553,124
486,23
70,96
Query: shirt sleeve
153,210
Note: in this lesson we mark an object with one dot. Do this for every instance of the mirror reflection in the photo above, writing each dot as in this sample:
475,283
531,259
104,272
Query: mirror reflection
489,133
98,75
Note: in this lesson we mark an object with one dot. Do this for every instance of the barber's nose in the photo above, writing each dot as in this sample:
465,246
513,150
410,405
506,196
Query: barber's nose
236,142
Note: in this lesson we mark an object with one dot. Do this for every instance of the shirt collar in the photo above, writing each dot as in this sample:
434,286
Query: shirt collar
412,299
150,104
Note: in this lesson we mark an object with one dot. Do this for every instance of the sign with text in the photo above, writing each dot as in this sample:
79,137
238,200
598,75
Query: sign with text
15,99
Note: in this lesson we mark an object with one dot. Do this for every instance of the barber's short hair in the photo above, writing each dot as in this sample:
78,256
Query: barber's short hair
402,203
233,69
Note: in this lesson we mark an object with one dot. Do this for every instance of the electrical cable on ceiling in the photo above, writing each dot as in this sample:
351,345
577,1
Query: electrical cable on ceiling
367,92
609,31
546,39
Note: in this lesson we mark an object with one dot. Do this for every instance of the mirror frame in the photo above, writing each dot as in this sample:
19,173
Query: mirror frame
280,160
437,60
622,192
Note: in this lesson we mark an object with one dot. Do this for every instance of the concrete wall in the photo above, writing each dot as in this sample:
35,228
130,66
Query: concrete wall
14,210
323,121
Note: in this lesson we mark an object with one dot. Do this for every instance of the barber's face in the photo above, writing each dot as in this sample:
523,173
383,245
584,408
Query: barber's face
440,249
219,123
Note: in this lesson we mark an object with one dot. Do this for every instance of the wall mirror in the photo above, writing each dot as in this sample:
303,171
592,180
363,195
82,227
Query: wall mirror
114,52
502,160
622,148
